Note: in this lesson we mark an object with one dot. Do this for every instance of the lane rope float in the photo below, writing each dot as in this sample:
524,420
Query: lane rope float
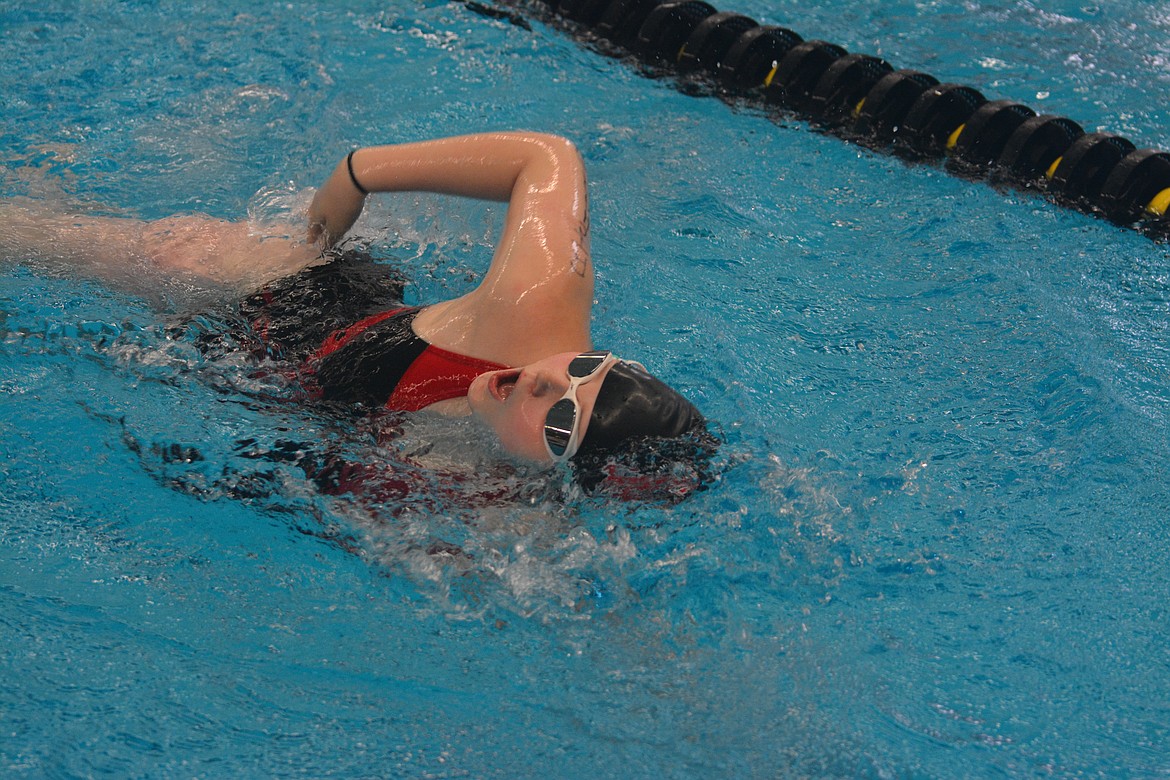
864,99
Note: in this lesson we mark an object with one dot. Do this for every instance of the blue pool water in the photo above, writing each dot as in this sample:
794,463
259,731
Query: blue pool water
938,546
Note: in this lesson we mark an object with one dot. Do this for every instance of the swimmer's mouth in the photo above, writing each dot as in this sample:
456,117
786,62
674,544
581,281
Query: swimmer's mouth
502,383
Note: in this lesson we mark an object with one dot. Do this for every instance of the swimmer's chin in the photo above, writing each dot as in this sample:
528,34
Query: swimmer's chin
477,394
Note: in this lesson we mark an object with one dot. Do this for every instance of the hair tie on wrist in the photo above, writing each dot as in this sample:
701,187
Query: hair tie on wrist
352,178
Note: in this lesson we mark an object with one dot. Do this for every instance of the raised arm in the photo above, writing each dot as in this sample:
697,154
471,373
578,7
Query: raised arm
541,271
489,166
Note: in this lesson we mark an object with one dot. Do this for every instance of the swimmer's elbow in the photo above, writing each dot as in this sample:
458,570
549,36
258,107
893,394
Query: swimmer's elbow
566,150
556,147
566,146
567,159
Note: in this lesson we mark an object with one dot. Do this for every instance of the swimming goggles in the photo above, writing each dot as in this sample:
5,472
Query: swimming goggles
562,425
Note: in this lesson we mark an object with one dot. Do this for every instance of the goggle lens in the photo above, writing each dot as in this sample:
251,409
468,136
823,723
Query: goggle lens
559,424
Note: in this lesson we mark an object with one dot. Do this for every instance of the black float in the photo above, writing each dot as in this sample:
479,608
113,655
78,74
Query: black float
936,116
879,115
1036,146
667,28
983,137
1081,171
1138,186
754,55
711,40
794,77
844,85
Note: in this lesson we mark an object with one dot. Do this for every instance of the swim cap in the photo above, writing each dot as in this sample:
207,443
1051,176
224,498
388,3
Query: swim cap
631,404
644,438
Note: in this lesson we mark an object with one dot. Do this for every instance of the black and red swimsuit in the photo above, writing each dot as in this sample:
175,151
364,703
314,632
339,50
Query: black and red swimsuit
345,326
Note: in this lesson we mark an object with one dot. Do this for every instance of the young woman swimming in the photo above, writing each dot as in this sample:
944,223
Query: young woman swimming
516,351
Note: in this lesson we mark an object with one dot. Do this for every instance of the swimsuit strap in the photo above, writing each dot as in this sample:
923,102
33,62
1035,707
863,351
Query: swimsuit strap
437,375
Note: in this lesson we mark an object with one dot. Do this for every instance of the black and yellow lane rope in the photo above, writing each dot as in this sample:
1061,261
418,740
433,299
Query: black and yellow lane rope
865,99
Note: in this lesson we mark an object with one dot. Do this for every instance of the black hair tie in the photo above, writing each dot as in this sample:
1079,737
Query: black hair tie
352,178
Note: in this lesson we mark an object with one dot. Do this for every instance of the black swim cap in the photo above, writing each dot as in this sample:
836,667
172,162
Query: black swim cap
642,433
632,404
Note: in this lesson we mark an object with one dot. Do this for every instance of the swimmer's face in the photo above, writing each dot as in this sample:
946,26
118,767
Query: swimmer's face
515,402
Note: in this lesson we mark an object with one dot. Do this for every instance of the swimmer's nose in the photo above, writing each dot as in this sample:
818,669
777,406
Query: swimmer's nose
543,382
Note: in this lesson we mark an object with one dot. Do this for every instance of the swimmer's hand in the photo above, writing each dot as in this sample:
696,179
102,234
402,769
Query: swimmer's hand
336,206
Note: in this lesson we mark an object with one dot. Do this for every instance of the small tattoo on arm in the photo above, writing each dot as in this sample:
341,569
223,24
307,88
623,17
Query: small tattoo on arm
579,263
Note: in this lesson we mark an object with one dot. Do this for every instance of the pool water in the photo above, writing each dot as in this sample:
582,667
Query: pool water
938,543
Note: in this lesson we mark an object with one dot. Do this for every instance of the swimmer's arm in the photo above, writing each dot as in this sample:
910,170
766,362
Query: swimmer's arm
541,273
515,167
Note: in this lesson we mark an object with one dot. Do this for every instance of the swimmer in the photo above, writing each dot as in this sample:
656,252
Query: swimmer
516,351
